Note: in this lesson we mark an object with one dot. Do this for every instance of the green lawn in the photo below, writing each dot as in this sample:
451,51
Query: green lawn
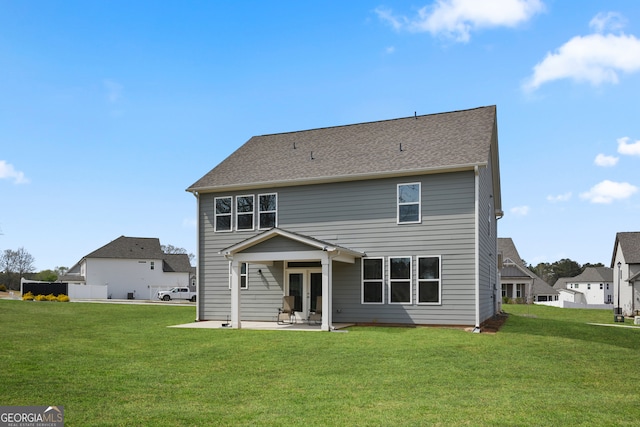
119,365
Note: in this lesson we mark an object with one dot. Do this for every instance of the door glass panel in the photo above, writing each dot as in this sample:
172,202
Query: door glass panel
295,289
316,289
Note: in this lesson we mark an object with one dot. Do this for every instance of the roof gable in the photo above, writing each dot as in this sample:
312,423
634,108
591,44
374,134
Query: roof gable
300,242
630,246
420,144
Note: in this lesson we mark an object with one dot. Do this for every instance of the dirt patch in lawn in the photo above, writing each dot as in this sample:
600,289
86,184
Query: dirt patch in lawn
494,324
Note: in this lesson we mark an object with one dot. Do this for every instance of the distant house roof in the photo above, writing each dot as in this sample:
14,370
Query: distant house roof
510,253
630,244
432,143
176,263
592,275
129,248
147,248
561,283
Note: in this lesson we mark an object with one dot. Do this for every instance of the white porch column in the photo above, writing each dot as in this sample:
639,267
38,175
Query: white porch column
327,273
235,295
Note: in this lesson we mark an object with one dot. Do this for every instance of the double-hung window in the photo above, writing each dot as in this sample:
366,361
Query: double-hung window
429,289
400,280
222,213
244,212
372,280
409,210
267,210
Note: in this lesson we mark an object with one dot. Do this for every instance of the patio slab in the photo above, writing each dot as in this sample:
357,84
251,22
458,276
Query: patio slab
265,326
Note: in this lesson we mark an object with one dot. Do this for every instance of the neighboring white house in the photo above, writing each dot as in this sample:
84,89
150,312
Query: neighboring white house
625,263
593,286
131,268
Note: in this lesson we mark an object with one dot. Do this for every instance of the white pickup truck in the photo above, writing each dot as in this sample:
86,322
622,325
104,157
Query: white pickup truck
177,293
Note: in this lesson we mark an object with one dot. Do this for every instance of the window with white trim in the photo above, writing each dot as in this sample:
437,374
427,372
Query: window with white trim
244,275
372,280
222,214
400,280
429,284
409,206
244,212
267,210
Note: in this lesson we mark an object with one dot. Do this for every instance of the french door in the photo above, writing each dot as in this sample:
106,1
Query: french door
305,285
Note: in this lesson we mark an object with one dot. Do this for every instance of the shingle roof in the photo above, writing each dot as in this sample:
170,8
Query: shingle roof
444,141
630,244
593,274
130,247
176,263
509,251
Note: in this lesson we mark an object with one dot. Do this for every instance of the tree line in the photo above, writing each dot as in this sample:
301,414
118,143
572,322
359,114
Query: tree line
551,272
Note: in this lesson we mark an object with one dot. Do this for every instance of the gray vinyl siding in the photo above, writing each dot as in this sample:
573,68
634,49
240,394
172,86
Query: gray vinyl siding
487,239
361,215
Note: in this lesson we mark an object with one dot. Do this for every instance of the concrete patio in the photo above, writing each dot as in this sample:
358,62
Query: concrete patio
264,326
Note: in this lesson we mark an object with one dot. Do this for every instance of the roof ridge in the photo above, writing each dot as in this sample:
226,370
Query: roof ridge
415,116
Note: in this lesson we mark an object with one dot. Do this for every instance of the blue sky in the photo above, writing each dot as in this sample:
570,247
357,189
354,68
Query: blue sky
111,109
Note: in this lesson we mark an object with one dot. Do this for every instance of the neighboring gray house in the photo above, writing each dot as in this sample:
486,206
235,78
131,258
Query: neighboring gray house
517,281
131,268
390,222
625,263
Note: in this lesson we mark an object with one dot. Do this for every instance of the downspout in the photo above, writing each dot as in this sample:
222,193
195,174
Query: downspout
476,329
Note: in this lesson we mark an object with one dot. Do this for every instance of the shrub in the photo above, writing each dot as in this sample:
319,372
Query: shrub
63,298
28,296
39,298
3,288
51,297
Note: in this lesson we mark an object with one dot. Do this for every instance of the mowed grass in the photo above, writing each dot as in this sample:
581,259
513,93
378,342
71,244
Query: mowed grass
120,365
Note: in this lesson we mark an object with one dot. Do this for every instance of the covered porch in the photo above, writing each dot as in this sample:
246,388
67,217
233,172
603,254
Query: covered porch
308,272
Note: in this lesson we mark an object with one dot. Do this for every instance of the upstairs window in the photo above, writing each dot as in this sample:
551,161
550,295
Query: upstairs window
244,212
400,280
409,211
222,213
429,289
267,210
372,280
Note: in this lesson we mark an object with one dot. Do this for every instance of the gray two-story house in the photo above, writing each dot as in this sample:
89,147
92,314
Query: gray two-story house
387,222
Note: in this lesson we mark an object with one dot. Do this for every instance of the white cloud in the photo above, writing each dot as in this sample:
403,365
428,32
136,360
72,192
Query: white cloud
628,149
594,58
457,18
389,50
608,191
520,210
7,171
611,21
605,161
559,198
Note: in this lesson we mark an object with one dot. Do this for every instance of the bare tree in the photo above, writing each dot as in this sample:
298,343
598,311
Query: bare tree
170,249
16,263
